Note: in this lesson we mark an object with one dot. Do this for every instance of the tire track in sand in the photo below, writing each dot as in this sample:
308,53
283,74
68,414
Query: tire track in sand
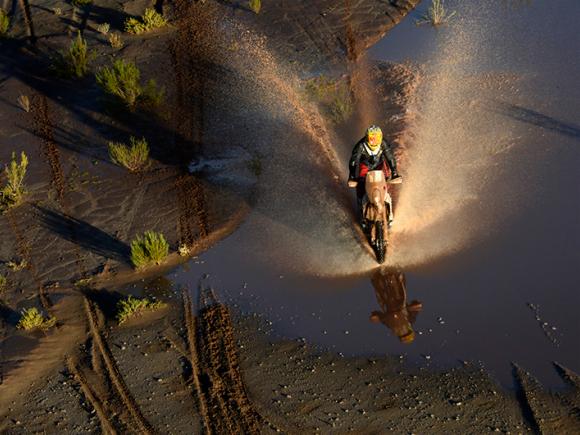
112,370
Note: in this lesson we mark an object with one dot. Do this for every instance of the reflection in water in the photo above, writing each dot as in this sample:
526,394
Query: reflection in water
396,314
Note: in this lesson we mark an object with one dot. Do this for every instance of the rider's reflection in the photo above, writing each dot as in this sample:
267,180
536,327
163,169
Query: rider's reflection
396,314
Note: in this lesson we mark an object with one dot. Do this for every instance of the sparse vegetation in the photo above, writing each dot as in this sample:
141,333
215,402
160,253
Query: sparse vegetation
17,265
255,165
333,95
103,28
115,41
131,307
150,20
3,284
32,319
75,61
122,80
151,248
318,88
255,5
4,23
11,194
81,3
184,250
134,156
341,106
24,103
436,14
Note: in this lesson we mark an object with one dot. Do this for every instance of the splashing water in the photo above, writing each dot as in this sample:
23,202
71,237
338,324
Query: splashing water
304,216
449,197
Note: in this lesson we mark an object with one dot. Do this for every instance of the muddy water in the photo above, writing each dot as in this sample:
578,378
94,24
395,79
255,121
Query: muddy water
497,148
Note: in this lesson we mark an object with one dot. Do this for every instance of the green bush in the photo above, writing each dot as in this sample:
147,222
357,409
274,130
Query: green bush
4,23
151,248
255,5
333,95
134,156
148,21
319,88
123,80
75,61
341,107
32,319
130,307
11,194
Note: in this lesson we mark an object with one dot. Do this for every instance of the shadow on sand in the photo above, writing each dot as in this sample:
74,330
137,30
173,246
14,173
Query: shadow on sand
84,235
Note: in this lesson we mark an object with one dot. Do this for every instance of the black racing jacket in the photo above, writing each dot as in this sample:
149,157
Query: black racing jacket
361,156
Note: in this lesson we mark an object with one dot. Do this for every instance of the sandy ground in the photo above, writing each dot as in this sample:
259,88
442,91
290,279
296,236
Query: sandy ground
193,366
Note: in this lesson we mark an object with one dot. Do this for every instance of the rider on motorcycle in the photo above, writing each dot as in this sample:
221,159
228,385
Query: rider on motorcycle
369,154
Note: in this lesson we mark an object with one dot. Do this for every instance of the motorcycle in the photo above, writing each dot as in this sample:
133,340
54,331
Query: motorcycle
377,211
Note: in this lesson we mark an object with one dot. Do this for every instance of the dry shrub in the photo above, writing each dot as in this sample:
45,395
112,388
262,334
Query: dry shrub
255,5
115,41
150,20
24,103
11,194
32,319
134,156
103,28
436,14
4,23
131,307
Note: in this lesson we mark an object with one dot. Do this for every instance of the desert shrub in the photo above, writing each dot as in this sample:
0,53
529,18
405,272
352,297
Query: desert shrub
4,23
123,80
11,194
17,265
32,319
341,106
436,14
74,62
184,250
115,41
333,96
255,5
131,307
24,103
255,166
57,11
151,248
318,88
81,3
134,156
103,28
150,20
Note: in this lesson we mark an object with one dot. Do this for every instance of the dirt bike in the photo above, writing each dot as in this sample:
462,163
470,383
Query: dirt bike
377,211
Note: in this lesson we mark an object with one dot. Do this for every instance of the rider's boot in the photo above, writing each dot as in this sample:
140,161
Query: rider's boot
390,214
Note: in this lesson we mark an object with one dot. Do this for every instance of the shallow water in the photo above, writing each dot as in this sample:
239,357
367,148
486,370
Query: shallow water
511,240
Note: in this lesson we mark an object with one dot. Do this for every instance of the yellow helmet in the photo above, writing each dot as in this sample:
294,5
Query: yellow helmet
374,137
